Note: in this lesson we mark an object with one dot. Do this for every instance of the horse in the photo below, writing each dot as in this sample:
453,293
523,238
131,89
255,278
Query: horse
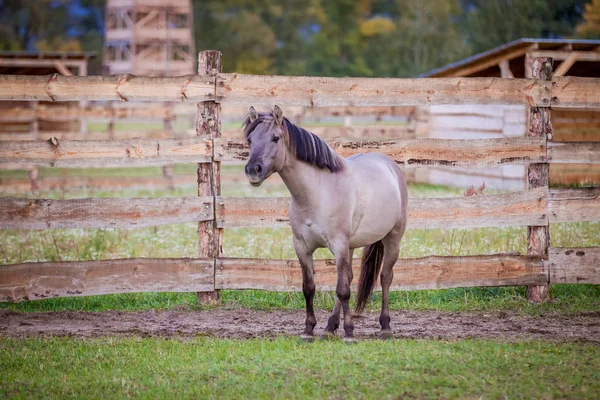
339,203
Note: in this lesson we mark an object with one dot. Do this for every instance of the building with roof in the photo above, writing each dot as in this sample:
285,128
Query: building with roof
571,57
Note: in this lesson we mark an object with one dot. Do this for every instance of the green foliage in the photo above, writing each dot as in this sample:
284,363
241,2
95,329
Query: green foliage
287,369
590,26
487,24
398,38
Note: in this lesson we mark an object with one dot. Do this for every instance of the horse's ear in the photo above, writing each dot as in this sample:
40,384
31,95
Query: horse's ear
252,114
278,115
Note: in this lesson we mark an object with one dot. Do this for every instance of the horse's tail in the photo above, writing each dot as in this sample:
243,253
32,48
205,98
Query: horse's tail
370,268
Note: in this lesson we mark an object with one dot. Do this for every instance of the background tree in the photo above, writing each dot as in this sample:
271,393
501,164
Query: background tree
590,26
488,24
317,37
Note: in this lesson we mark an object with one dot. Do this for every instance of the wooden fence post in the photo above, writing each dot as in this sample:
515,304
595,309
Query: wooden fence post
540,125
208,124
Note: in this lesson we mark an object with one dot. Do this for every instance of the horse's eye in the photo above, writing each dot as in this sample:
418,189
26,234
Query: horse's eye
276,139
249,142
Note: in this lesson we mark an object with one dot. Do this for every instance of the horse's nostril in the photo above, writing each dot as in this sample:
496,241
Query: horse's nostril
247,169
258,169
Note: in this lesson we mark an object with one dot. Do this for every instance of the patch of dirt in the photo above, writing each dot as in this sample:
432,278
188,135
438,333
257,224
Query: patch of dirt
242,324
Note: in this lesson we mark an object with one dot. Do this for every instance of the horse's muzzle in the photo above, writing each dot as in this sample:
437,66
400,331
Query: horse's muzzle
254,172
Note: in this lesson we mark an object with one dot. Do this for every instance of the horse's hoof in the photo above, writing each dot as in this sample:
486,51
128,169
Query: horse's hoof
307,338
326,335
350,340
386,334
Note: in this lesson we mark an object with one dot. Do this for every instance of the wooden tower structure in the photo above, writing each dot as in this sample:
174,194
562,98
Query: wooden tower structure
149,37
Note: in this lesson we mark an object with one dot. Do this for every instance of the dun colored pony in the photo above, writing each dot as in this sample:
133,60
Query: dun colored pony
338,203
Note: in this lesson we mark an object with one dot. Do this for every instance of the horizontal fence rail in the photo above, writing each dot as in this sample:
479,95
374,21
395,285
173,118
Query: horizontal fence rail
41,280
132,152
574,265
31,281
422,151
409,152
535,207
191,88
239,89
21,213
309,91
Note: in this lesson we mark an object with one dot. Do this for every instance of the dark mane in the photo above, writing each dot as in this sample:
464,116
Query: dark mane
305,145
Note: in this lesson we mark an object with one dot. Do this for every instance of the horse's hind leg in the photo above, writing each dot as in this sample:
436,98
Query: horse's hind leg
308,286
391,247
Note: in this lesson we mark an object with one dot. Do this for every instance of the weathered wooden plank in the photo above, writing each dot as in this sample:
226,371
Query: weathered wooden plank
510,209
466,122
32,281
494,178
133,152
574,265
575,92
252,211
409,274
575,174
13,185
574,205
354,131
22,213
321,91
190,88
455,152
574,152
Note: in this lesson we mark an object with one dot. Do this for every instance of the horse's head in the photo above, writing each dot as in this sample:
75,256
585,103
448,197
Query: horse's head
266,136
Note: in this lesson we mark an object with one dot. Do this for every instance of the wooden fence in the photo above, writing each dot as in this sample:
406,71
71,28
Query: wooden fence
536,207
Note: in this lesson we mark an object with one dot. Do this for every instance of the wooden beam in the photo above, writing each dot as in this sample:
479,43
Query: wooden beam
483,65
509,209
505,71
23,213
574,205
421,151
564,66
575,92
409,274
575,174
56,87
558,55
574,152
306,91
36,62
34,281
355,131
62,69
133,152
574,265
143,21
20,186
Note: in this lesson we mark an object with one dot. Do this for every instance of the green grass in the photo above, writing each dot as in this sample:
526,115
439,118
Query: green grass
565,299
286,368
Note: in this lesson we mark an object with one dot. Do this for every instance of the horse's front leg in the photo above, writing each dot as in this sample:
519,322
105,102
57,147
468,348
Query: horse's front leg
308,286
343,259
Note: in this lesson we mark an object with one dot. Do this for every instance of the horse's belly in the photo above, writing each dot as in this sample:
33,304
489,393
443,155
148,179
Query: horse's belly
373,225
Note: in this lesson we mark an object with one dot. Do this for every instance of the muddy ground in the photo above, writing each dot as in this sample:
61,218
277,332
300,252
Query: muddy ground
242,324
